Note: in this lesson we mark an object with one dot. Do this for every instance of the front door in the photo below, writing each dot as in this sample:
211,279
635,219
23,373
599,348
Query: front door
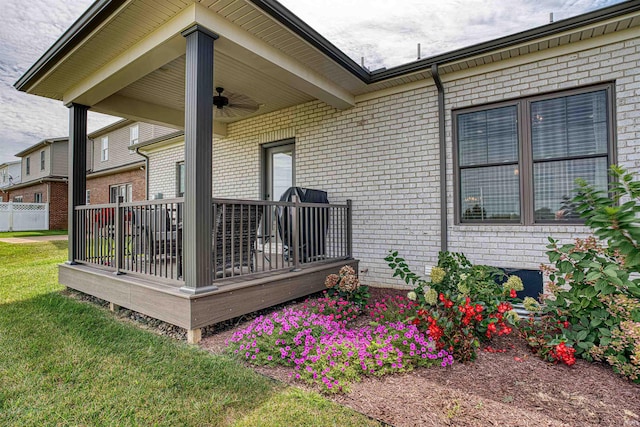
279,169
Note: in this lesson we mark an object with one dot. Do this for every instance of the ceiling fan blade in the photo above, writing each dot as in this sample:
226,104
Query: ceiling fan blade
246,107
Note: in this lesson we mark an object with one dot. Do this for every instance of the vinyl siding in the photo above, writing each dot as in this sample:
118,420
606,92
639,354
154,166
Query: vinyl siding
59,161
119,145
34,168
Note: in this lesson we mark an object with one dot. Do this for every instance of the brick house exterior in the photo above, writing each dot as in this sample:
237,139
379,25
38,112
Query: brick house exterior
98,186
383,154
473,150
44,179
120,167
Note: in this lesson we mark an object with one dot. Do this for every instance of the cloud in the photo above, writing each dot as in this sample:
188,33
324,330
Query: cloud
27,29
387,33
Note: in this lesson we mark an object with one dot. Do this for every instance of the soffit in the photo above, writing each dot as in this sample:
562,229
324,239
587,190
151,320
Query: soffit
165,86
135,20
261,25
126,27
548,43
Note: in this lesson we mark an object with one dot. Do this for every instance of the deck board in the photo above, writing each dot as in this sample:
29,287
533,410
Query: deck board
165,301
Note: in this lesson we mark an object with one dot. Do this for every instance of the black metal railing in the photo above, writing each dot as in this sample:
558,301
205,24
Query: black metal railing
139,237
248,237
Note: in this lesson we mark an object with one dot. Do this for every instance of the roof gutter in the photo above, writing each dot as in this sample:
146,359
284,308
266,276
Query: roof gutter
510,40
444,244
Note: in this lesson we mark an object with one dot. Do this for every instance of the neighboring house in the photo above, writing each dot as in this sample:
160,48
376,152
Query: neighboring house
473,150
113,166
9,175
43,170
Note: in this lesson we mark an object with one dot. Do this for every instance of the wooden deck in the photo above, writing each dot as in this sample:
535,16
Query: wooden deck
235,296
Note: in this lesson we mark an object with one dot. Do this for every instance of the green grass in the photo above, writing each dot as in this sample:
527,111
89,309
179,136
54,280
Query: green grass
32,233
68,363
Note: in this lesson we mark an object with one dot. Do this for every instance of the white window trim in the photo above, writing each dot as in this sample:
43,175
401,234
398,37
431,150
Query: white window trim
134,136
104,148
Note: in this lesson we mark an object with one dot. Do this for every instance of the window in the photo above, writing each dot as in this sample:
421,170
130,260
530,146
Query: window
517,162
37,198
104,151
180,179
133,136
42,160
28,165
17,199
124,190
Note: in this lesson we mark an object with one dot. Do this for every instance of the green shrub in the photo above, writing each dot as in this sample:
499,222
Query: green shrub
462,303
590,280
346,286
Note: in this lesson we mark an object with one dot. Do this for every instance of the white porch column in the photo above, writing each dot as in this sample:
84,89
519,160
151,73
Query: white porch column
77,172
198,133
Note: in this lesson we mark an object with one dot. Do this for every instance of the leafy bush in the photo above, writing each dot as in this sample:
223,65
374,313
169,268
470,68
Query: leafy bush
346,285
590,280
462,303
327,352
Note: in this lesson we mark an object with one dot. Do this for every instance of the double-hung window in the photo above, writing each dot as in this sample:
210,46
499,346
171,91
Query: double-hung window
104,149
133,136
517,162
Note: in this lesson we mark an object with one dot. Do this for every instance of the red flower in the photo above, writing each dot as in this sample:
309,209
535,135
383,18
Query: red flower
513,293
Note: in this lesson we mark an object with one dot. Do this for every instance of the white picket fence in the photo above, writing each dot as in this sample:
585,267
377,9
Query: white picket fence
15,216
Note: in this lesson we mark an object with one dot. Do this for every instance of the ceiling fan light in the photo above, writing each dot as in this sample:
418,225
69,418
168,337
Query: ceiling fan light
220,101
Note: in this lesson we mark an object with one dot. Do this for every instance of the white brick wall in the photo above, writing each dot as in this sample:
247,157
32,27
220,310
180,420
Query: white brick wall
520,246
383,154
162,171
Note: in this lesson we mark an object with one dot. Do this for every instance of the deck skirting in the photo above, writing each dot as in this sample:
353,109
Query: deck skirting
167,303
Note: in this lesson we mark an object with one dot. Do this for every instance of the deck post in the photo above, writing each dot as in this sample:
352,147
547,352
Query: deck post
295,227
349,228
118,235
194,335
198,134
77,183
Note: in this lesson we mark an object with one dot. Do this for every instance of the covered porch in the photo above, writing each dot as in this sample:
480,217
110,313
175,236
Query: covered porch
262,253
199,259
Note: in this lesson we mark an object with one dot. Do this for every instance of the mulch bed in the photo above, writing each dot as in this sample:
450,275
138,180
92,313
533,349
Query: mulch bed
510,388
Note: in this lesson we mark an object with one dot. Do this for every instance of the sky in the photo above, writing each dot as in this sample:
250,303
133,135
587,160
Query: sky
386,33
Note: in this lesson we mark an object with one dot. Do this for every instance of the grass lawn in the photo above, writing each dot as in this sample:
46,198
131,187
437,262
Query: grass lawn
32,233
64,362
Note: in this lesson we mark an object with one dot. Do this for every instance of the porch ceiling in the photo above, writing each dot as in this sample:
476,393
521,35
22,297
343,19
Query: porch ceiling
165,86
132,64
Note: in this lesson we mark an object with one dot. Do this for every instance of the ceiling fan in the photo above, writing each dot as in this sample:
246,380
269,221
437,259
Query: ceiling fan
233,104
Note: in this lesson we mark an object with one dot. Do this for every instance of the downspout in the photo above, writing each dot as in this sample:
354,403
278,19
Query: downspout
146,172
443,158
